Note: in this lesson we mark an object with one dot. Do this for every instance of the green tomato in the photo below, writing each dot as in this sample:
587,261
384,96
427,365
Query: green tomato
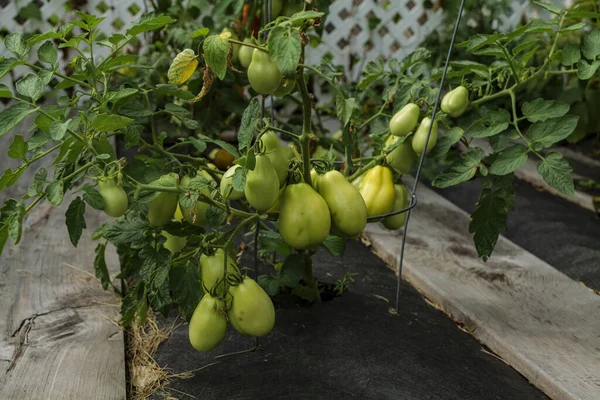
114,196
277,206
213,267
196,214
262,185
276,154
377,190
314,179
162,208
402,157
245,54
252,312
227,184
291,7
304,220
456,102
357,182
174,243
346,205
400,202
405,120
263,74
236,47
285,87
420,136
276,6
208,324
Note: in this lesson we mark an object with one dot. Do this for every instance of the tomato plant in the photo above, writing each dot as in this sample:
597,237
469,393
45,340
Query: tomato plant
183,201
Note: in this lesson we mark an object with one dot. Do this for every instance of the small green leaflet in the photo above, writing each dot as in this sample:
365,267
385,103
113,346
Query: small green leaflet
509,160
11,219
548,7
444,143
292,270
55,192
10,177
335,245
585,70
184,282
285,48
75,220
121,94
344,108
551,131
110,122
126,232
461,170
200,32
250,119
556,172
269,284
540,109
58,129
488,221
591,45
93,197
490,125
30,86
199,144
150,22
570,55
5,92
100,266
238,181
216,50
18,148
47,53
15,43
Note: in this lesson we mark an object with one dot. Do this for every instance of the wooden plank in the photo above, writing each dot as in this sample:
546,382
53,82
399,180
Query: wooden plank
541,322
57,335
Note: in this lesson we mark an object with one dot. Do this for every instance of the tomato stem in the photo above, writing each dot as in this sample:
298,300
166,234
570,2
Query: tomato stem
306,126
309,277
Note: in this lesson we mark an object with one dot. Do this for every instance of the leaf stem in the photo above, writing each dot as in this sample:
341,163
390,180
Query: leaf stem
248,44
513,101
285,132
68,78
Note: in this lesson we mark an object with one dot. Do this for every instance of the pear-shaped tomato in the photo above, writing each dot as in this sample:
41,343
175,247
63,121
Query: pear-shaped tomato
226,187
357,182
252,312
196,214
402,157
114,196
276,154
276,6
277,206
420,137
456,102
245,54
286,86
314,179
263,74
174,243
400,203
405,120
347,207
377,190
213,267
208,324
162,207
262,184
304,220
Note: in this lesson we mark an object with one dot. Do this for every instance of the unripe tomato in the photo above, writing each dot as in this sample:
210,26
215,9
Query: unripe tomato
245,54
196,214
357,182
162,208
222,159
263,74
402,157
277,206
401,202
174,243
346,205
377,190
285,87
227,184
456,102
420,136
276,6
405,120
114,196
275,153
304,219
208,324
291,7
236,47
213,267
262,184
314,179
252,312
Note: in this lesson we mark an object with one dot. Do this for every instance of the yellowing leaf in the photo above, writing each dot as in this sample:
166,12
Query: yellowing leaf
225,35
183,67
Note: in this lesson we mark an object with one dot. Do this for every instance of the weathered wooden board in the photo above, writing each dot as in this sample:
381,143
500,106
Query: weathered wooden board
541,322
57,335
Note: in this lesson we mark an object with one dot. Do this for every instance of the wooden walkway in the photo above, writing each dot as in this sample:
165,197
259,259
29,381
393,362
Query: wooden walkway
541,322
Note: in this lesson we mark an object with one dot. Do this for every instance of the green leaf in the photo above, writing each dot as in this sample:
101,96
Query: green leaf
75,220
292,270
10,177
553,130
574,27
134,305
121,94
548,7
3,237
110,122
58,129
132,135
184,282
344,108
200,32
100,267
5,92
47,53
172,90
444,143
492,124
15,43
126,232
591,45
30,86
335,245
285,48
250,120
556,172
499,142
200,145
215,216
488,221
12,116
93,197
224,145
585,70
304,15
11,219
509,160
46,76
134,109
216,50
150,22
35,39
55,192
238,181
270,284
120,61
461,170
18,148
540,109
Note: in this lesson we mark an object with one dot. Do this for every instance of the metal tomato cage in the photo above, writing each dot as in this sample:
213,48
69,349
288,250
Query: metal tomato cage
413,191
